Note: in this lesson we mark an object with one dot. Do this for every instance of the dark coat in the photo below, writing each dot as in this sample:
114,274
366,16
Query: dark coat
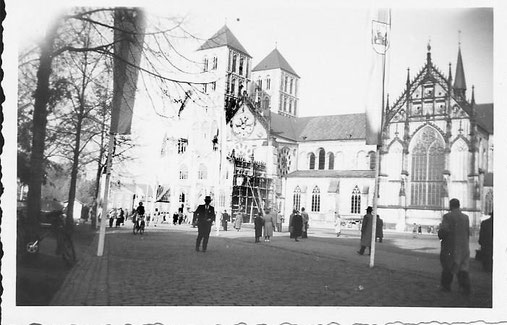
455,245
258,222
366,230
379,230
297,225
204,217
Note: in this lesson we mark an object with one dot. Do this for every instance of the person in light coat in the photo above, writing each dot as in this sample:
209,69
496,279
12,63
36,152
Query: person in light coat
454,234
269,222
337,225
239,221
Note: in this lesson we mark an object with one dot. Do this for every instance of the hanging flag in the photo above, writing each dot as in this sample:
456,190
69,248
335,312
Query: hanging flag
380,29
128,37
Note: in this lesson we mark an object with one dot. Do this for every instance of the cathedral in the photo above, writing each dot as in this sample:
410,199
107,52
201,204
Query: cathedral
251,149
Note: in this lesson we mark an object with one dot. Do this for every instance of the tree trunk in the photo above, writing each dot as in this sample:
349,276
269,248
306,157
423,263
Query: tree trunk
39,133
73,173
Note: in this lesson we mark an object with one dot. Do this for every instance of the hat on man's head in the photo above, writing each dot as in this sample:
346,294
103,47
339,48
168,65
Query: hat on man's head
369,209
207,198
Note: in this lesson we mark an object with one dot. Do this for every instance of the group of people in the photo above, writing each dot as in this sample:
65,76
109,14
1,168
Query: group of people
118,215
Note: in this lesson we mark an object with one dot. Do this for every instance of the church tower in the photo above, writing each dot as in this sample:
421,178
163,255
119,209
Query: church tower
460,85
275,77
229,64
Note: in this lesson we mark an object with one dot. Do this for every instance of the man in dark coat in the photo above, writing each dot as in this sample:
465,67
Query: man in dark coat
486,242
454,233
258,223
379,229
366,229
204,216
225,219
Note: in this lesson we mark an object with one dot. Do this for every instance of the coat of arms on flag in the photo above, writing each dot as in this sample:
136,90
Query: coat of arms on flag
379,39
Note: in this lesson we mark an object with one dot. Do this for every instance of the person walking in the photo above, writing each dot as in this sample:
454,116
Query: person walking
269,221
486,242
379,229
239,221
279,219
119,219
291,228
337,225
454,234
204,215
366,229
225,219
305,217
258,223
296,225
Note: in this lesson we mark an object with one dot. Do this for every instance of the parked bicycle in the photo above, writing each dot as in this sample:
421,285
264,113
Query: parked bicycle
56,227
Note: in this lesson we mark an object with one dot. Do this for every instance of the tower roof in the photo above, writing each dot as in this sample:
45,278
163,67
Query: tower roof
224,37
459,80
275,60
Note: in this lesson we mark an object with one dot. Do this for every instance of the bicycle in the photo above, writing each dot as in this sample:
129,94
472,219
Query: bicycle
64,244
138,225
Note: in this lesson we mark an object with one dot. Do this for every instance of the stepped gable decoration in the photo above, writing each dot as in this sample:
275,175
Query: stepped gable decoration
275,60
224,37
431,75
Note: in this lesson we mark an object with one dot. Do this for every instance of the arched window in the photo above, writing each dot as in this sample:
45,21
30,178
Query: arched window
427,168
215,63
355,201
202,173
296,198
241,62
330,159
459,160
373,162
322,158
234,58
205,65
183,172
316,199
311,157
394,160
268,82
488,202
233,86
182,198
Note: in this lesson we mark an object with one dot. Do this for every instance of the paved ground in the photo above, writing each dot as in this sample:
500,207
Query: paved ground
162,268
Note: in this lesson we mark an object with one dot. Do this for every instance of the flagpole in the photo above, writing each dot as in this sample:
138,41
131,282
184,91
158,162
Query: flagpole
103,221
377,167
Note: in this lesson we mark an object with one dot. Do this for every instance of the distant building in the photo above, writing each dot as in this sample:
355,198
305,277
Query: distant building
251,148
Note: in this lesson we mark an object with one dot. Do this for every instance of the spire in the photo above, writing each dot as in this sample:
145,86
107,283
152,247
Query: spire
428,54
460,86
387,103
472,101
450,74
408,77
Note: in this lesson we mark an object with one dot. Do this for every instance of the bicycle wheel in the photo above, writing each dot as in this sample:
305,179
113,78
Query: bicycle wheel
67,250
32,247
141,229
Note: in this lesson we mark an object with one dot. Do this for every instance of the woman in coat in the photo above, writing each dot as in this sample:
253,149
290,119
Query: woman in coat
239,221
269,222
258,223
296,225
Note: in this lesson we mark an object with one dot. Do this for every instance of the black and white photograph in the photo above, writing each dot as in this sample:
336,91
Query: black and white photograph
253,162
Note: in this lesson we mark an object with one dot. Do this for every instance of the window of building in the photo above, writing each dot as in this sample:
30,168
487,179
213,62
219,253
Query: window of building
316,199
286,83
183,172
181,198
373,161
295,107
221,200
205,88
291,84
205,65
265,103
488,202
246,70
428,163
234,58
259,83
202,173
295,87
297,198
268,83
182,145
214,85
233,86
215,63
241,62
330,160
322,158
362,160
355,201
290,106
312,161
285,103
